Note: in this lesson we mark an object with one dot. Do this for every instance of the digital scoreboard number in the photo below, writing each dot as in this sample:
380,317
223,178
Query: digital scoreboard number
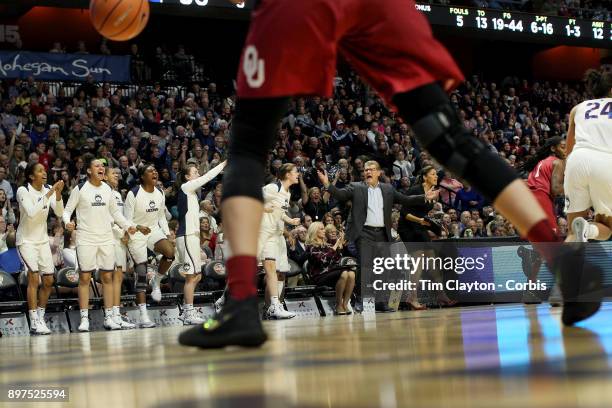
522,25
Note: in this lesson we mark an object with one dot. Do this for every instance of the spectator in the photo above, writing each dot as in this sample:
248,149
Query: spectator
323,266
5,185
468,199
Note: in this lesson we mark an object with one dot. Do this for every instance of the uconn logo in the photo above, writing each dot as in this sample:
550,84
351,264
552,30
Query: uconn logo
151,207
98,201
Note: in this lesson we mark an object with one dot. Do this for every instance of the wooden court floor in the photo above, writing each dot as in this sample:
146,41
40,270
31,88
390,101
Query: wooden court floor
493,356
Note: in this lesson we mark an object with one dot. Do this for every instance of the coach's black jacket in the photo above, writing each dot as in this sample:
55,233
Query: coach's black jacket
358,193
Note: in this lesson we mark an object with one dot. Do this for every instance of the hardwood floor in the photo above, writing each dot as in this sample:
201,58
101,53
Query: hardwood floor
493,356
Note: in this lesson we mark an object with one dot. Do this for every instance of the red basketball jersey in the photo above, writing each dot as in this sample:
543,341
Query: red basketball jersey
541,176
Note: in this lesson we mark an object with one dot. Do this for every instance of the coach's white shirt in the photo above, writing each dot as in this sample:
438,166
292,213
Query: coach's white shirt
147,209
34,209
97,210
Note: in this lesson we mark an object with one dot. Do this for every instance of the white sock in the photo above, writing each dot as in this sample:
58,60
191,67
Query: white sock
41,313
108,313
592,231
274,301
84,313
143,308
33,315
188,306
280,284
116,311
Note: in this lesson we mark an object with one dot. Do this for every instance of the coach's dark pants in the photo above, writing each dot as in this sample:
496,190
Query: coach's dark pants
370,245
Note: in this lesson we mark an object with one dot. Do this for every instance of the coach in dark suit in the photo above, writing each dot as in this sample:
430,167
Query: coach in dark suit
370,219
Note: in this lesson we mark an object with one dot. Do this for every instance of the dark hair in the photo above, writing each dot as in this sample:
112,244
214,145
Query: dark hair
88,158
423,173
284,170
181,176
29,170
598,82
542,153
142,169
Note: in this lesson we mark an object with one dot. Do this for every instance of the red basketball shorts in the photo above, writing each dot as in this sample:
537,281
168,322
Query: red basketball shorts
293,45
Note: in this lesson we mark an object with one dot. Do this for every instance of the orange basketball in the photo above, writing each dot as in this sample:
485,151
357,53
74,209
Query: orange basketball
119,20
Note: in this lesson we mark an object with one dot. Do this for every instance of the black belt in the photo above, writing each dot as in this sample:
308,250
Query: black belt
373,228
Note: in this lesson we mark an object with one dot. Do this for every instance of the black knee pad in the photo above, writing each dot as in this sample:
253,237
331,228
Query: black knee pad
440,131
141,278
253,134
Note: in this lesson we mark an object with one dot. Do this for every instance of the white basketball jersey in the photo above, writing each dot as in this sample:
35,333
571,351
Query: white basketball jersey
593,121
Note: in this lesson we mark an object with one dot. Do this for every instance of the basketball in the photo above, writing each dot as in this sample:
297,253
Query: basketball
119,20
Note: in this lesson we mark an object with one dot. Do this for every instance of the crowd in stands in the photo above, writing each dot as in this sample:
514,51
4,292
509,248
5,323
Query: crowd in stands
152,124
586,9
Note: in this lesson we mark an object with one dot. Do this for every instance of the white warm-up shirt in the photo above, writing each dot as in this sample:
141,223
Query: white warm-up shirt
188,206
147,209
97,210
34,209
118,232
277,198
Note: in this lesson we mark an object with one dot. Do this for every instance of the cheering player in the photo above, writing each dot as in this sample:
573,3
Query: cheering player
272,249
292,49
96,210
188,234
145,206
35,199
121,239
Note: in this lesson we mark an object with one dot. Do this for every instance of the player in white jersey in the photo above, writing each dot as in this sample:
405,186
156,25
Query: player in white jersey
96,210
35,199
272,248
121,239
188,235
145,205
588,179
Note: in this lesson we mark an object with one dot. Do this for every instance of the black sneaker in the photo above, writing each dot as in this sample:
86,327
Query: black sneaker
237,324
580,283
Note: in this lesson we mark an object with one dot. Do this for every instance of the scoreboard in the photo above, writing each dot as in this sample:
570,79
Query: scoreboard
522,26
497,24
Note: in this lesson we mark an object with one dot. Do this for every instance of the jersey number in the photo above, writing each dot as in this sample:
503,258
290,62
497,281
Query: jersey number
606,111
538,170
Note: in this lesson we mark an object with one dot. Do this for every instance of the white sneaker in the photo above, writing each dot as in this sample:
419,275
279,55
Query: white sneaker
84,326
155,289
219,304
146,322
190,317
580,226
278,312
125,325
110,324
41,327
